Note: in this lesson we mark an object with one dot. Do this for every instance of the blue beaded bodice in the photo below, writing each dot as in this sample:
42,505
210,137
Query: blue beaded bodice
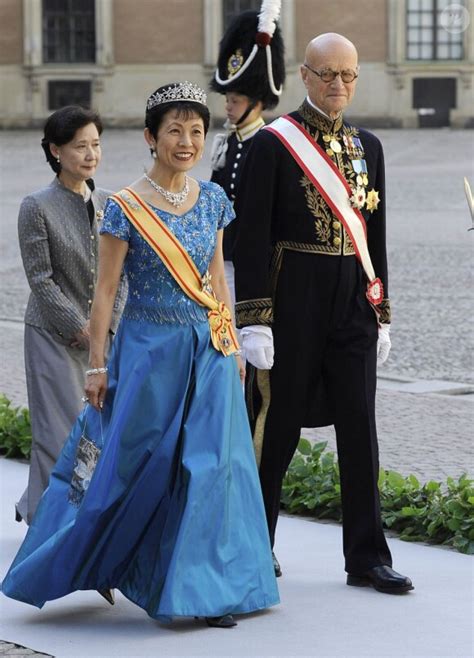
153,294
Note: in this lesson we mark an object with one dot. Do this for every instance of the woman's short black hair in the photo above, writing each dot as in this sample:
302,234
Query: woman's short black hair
61,127
185,109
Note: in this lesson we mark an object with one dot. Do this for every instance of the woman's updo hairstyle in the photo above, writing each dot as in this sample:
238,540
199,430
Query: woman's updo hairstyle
61,127
185,98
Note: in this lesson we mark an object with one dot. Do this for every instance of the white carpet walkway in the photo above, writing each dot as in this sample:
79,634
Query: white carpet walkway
319,615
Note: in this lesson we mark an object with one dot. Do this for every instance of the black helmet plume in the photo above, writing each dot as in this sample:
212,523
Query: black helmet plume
234,51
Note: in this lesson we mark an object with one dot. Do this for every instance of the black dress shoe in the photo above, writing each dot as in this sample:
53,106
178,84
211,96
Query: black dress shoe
383,579
276,566
226,621
108,595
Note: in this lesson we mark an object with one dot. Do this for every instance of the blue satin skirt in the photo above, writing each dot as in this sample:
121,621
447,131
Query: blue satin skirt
173,515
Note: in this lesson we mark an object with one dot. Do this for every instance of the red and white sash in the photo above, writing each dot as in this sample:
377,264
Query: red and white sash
333,187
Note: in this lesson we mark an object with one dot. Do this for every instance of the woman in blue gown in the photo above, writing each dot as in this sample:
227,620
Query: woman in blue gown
156,491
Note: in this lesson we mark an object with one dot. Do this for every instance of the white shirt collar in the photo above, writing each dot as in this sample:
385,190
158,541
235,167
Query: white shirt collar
318,109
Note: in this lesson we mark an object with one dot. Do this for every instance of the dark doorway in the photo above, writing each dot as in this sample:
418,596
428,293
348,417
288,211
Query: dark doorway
433,98
68,92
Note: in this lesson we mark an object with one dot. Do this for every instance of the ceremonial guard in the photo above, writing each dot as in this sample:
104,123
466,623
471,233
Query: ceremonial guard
250,72
312,298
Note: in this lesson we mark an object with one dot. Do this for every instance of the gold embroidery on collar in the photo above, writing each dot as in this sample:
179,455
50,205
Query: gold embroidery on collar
319,121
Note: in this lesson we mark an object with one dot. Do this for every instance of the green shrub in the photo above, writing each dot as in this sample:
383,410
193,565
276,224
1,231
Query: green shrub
434,512
15,430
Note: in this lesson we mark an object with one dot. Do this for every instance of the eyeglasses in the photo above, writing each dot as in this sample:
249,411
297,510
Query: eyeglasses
328,75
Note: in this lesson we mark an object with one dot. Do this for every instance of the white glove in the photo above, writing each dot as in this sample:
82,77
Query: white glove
383,344
257,346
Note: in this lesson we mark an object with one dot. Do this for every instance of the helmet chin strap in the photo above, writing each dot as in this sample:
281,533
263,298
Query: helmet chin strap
251,106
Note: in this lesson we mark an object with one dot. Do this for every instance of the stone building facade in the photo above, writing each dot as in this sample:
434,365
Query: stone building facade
416,56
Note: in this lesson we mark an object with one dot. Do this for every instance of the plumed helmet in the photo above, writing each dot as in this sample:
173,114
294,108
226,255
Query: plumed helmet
251,56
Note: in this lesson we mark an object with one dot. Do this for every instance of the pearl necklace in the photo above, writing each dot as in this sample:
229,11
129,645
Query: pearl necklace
175,198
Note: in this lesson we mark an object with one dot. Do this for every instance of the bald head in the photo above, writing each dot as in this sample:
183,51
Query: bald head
335,52
330,45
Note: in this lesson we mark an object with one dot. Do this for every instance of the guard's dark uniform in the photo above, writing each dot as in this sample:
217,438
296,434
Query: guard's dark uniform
227,174
296,271
251,64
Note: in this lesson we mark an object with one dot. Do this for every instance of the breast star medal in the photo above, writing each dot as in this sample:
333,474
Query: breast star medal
373,200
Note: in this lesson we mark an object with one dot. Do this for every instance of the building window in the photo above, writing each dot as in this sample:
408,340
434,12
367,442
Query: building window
68,31
426,36
68,92
232,8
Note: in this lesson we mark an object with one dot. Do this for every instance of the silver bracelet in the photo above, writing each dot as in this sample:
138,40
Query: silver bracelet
96,371
237,352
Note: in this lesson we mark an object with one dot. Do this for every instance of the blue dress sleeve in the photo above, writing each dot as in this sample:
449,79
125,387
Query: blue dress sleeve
115,222
225,212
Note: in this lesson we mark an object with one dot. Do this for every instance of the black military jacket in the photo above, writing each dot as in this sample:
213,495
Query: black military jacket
279,208
228,176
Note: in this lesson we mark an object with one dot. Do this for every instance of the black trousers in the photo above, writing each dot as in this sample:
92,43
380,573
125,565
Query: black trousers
326,332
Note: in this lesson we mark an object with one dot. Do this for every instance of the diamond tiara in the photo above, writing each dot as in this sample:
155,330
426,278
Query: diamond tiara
179,91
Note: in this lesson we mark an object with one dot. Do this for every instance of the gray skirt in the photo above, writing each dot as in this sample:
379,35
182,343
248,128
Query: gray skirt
55,383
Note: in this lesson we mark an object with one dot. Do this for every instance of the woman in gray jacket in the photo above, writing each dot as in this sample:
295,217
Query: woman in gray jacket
58,233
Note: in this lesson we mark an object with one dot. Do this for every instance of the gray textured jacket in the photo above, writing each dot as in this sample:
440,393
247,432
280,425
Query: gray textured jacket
59,250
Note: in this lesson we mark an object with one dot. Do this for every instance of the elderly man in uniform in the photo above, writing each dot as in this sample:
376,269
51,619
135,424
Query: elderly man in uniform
312,298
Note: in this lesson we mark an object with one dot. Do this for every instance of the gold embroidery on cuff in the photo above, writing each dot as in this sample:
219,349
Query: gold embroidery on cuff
254,311
385,316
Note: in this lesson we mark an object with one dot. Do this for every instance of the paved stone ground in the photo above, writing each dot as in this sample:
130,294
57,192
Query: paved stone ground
427,435
431,289
8,649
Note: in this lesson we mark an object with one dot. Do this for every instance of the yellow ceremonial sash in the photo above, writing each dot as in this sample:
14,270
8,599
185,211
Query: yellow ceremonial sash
181,267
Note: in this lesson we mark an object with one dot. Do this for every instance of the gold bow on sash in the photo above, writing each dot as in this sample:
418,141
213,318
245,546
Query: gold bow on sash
181,267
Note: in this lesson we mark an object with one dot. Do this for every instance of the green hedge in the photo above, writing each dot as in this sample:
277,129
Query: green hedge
434,512
15,430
